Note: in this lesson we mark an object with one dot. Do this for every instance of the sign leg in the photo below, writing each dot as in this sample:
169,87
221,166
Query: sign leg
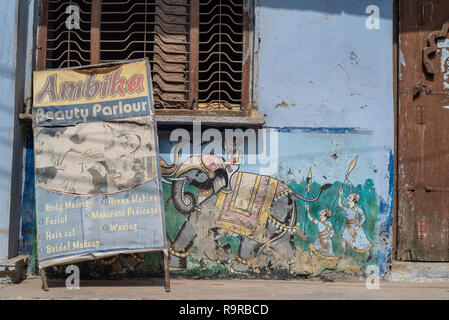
44,279
167,274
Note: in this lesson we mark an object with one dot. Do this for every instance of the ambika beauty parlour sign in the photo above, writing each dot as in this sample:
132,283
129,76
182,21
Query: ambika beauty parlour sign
98,188
70,97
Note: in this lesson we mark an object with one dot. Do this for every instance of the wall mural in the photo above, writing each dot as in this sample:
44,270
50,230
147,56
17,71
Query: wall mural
227,220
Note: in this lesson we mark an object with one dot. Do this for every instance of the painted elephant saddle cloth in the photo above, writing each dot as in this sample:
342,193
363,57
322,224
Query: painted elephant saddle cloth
245,208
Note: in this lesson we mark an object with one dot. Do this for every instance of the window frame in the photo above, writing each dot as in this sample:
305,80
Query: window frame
248,116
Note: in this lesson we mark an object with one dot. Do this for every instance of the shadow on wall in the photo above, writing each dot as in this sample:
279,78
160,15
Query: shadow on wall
354,7
28,232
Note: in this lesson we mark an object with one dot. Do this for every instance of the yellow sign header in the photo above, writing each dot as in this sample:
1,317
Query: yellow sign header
93,85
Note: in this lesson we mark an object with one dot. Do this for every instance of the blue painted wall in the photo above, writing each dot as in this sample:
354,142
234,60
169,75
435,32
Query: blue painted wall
324,82
14,28
319,66
16,63
8,16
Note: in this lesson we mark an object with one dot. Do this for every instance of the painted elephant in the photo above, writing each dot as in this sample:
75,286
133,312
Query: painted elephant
259,210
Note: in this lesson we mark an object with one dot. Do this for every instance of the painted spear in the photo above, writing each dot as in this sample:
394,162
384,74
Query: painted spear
309,182
351,167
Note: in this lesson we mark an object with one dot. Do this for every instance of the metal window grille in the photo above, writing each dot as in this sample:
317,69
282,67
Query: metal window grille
220,54
68,47
195,47
157,29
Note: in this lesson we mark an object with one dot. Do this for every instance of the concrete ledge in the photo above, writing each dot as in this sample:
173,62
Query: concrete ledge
419,271
16,268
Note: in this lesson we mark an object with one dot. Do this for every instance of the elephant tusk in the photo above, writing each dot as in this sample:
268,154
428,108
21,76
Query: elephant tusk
177,179
165,181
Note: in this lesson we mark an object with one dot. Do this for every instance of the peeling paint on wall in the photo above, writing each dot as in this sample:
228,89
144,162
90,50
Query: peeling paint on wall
284,104
232,233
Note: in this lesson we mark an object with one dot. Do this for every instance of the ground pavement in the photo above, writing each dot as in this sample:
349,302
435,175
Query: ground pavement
316,288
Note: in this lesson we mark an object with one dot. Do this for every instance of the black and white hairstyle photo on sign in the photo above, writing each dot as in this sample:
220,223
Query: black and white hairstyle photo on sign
94,158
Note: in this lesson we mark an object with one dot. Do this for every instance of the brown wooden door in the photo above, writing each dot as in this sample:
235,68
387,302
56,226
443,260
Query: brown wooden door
423,132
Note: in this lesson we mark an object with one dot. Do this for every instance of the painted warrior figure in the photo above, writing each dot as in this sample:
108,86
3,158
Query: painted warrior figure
353,233
323,245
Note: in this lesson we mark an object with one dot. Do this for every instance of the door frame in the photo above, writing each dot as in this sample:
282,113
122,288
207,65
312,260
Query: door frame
396,17
396,66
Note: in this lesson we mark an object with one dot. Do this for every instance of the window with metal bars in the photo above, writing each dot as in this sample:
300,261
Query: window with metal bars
196,49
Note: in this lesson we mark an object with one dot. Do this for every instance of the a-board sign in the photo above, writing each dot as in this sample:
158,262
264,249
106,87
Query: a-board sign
98,188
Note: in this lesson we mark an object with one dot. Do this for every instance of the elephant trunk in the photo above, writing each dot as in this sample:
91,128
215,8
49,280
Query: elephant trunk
183,201
324,187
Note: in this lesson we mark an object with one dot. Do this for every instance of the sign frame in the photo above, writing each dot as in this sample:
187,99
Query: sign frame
80,257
